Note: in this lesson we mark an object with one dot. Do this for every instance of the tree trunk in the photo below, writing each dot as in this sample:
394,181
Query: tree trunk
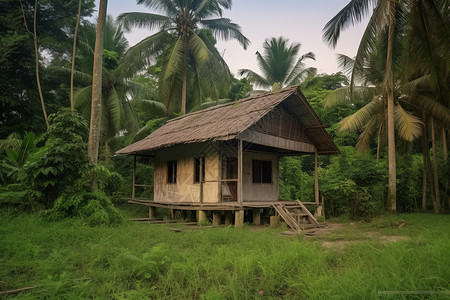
36,50
184,83
425,163
96,107
75,35
424,186
437,206
389,88
444,143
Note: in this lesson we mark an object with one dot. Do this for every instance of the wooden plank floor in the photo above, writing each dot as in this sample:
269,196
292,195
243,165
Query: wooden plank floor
214,206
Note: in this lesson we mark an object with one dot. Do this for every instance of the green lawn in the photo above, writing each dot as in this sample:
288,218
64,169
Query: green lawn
68,260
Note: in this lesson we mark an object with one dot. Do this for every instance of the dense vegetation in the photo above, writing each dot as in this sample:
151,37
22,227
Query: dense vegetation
43,146
60,183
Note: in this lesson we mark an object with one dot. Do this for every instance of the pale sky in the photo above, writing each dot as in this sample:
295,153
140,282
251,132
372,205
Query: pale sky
298,20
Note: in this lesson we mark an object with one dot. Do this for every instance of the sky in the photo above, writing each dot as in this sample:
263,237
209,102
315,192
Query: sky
300,21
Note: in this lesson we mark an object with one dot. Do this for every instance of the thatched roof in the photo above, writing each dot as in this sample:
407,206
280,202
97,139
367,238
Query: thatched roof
227,121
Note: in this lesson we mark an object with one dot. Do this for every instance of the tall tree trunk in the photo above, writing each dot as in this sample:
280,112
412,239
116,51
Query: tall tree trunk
425,163
184,83
36,52
444,143
389,88
437,206
75,35
426,155
424,185
96,107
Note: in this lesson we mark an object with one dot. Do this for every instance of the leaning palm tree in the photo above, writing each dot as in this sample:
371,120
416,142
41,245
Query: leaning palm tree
279,65
179,24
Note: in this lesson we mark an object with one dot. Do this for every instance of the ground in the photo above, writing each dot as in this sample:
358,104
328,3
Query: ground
70,260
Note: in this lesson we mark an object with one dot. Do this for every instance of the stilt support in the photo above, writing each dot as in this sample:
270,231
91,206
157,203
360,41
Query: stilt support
216,218
239,218
201,216
257,217
228,218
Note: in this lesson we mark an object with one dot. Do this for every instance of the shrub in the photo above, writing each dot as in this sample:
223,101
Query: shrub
94,208
61,161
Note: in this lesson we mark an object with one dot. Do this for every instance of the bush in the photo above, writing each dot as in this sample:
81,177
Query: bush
61,161
94,208
18,197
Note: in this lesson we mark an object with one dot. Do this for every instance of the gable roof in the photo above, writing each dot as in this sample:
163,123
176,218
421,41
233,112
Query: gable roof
227,121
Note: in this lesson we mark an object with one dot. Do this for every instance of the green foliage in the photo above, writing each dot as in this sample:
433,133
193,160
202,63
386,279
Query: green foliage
240,89
353,184
93,208
15,159
19,197
61,161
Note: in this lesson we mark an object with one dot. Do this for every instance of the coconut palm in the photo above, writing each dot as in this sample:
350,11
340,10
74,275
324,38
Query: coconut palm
370,119
116,114
279,65
179,24
423,26
388,17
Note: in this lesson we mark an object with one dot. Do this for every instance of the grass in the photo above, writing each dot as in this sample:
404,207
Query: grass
68,260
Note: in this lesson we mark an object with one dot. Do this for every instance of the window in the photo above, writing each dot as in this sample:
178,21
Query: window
172,171
199,168
262,171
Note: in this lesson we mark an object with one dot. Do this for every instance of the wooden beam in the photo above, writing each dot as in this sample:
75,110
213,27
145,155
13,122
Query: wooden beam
260,138
316,178
133,193
240,173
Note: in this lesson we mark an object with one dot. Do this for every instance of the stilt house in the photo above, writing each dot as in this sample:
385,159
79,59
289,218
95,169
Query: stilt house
225,158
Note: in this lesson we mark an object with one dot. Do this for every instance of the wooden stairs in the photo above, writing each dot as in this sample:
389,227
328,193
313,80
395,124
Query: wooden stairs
296,215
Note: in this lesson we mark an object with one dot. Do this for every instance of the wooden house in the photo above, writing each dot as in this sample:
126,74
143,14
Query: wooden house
225,158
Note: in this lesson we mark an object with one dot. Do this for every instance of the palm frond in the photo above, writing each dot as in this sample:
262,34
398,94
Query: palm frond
174,59
225,29
409,127
352,13
142,20
367,135
359,119
140,55
254,78
198,49
347,95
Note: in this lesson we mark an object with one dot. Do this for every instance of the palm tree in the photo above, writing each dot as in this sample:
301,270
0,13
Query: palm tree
421,25
279,65
370,119
117,113
96,107
388,17
179,39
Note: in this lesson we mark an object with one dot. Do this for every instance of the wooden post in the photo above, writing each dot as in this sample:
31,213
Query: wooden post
316,178
201,216
151,212
134,179
228,218
201,163
256,217
216,218
239,218
240,173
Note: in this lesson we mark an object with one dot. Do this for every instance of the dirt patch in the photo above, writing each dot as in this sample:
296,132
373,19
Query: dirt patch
338,245
393,238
